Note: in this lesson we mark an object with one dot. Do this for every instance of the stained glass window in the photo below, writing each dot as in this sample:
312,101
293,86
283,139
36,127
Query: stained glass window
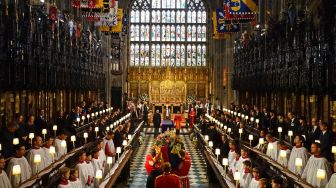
168,33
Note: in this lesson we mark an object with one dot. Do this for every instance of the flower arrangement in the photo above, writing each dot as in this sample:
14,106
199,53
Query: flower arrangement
144,97
191,99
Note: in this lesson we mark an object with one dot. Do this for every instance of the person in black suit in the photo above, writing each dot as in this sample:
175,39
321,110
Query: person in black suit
313,132
273,123
224,146
40,123
293,123
326,140
156,122
145,114
118,137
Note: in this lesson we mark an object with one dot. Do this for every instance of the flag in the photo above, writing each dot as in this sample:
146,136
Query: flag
222,25
242,6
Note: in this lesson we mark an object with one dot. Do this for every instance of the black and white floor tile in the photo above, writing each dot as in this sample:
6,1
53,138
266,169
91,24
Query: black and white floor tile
197,174
150,130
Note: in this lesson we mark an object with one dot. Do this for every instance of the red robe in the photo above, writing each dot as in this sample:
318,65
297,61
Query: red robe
165,153
167,181
192,118
183,171
177,121
149,168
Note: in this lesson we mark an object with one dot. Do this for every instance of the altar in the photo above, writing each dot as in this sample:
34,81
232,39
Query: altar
173,107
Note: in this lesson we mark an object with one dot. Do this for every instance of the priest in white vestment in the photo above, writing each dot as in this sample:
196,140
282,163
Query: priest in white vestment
332,181
316,162
298,151
60,150
36,150
19,159
272,147
4,181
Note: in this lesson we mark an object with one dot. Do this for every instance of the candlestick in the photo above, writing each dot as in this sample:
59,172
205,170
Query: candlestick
44,132
85,136
63,144
298,164
16,171
78,120
250,138
88,118
320,175
118,151
124,143
229,130
73,139
290,134
206,138
31,136
129,137
283,155
109,161
99,176
0,147
96,130
217,152
210,144
279,131
83,118
37,161
236,177
240,132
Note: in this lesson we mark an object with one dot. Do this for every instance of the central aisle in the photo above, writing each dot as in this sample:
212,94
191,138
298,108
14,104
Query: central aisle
138,173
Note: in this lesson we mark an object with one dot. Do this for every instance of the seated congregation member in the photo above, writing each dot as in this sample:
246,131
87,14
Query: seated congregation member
64,180
298,151
19,159
85,174
46,148
167,179
4,181
246,176
277,182
36,150
283,148
7,134
74,180
60,151
109,147
256,177
183,169
332,181
315,162
232,154
272,147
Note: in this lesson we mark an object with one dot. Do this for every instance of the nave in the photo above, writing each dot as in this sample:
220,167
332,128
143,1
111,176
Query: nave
197,173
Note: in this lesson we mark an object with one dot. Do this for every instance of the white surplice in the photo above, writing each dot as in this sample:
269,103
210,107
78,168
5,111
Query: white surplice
76,184
272,152
310,171
4,181
297,152
48,159
26,171
254,183
332,182
245,180
30,158
231,159
60,151
284,160
86,174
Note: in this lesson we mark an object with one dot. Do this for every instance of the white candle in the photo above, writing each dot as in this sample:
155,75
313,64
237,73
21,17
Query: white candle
238,114
290,133
104,111
235,113
229,130
251,137
225,127
96,129
107,128
221,125
261,141
83,118
63,144
37,158
243,116
118,150
124,143
55,128
225,161
78,119
31,135
92,114
0,147
252,119
73,138
109,160
129,137
246,117
96,113
85,135
298,162
44,131
206,138
321,174
317,141
88,116
333,149
99,174
217,151
15,141
240,131
257,120
210,144
16,170
236,176
283,154
52,150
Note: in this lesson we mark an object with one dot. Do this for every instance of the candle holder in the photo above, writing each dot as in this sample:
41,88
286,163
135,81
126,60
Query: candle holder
73,139
217,152
83,118
44,132
298,164
320,175
31,136
280,131
37,161
85,137
333,150
16,141
16,171
290,134
96,130
109,161
88,118
210,144
240,133
78,120
118,151
99,176
283,155
250,138
225,163
55,129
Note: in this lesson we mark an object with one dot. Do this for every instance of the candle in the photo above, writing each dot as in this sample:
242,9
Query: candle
15,141
129,137
0,147
109,160
246,118
88,116
298,162
54,127
240,130
92,115
283,154
96,113
317,141
290,134
229,130
118,150
250,138
73,139
235,113
333,149
16,170
225,161
96,130
44,132
85,135
78,119
210,144
99,174
221,125
237,176
103,111
206,138
257,120
239,114
252,119
321,174
124,143
107,129
63,144
217,152
279,129
261,141
37,158
83,118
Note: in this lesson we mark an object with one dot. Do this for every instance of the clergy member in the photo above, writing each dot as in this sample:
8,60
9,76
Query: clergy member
283,160
60,151
298,151
36,150
167,180
64,179
19,159
272,147
315,162
4,181
332,181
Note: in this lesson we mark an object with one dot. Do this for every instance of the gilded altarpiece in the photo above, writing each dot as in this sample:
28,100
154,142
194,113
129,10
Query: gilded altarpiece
168,84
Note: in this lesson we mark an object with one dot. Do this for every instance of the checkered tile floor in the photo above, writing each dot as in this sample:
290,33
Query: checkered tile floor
149,130
197,174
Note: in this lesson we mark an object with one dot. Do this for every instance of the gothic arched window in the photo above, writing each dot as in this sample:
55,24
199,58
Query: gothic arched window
168,33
